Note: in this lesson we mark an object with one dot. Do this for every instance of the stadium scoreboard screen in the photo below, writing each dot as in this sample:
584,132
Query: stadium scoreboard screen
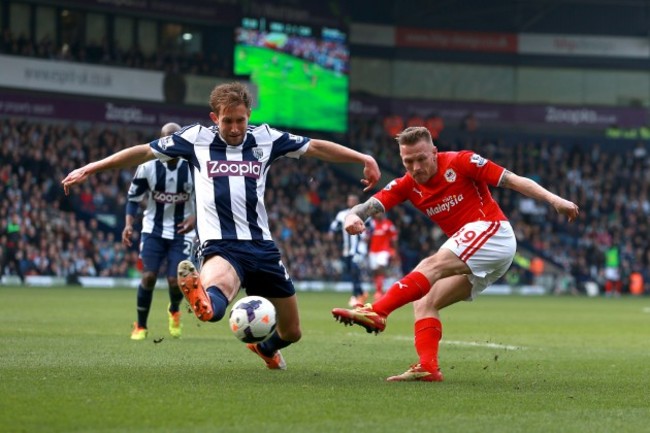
301,73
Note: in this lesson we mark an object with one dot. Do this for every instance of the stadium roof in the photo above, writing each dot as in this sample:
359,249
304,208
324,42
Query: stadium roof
597,17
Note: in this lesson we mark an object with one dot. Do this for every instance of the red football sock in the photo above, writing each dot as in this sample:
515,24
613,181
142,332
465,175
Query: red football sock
608,286
410,288
428,332
379,284
618,286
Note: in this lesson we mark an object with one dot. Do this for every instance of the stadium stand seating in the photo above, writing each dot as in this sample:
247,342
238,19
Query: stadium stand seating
79,235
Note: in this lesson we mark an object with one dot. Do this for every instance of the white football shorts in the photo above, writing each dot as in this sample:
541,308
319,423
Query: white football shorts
612,274
379,259
488,248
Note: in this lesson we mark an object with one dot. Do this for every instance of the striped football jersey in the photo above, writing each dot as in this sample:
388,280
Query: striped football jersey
169,194
230,180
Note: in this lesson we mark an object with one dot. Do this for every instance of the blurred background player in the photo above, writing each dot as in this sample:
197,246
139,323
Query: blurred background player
167,231
10,253
354,251
383,247
613,283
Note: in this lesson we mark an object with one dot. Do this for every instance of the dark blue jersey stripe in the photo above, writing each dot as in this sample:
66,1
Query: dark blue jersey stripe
196,202
179,210
161,179
141,186
222,194
251,191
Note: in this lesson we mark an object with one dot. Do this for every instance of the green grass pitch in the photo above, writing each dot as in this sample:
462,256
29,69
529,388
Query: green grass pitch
512,364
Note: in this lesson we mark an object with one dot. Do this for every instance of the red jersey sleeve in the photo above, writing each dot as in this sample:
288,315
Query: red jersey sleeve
394,193
476,167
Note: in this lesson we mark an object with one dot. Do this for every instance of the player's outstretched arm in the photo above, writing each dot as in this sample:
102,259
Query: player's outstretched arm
333,152
354,220
129,157
530,188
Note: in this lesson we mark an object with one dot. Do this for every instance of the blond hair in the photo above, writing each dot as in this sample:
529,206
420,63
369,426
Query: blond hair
413,135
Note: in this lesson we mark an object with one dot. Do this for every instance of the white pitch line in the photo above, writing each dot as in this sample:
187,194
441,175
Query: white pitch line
458,343
488,345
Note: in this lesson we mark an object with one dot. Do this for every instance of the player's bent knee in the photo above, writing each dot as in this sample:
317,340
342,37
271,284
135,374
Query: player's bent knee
434,268
148,280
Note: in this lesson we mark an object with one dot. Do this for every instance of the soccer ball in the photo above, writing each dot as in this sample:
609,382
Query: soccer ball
252,319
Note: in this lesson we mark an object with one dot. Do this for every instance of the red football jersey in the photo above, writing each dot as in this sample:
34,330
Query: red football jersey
384,233
456,195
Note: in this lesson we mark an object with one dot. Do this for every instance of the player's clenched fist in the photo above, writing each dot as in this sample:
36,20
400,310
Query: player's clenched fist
353,224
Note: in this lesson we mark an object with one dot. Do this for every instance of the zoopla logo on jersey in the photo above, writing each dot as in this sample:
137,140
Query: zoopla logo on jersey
169,197
235,168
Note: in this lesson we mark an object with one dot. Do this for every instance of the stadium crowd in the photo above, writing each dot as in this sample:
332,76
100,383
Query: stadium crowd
47,233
